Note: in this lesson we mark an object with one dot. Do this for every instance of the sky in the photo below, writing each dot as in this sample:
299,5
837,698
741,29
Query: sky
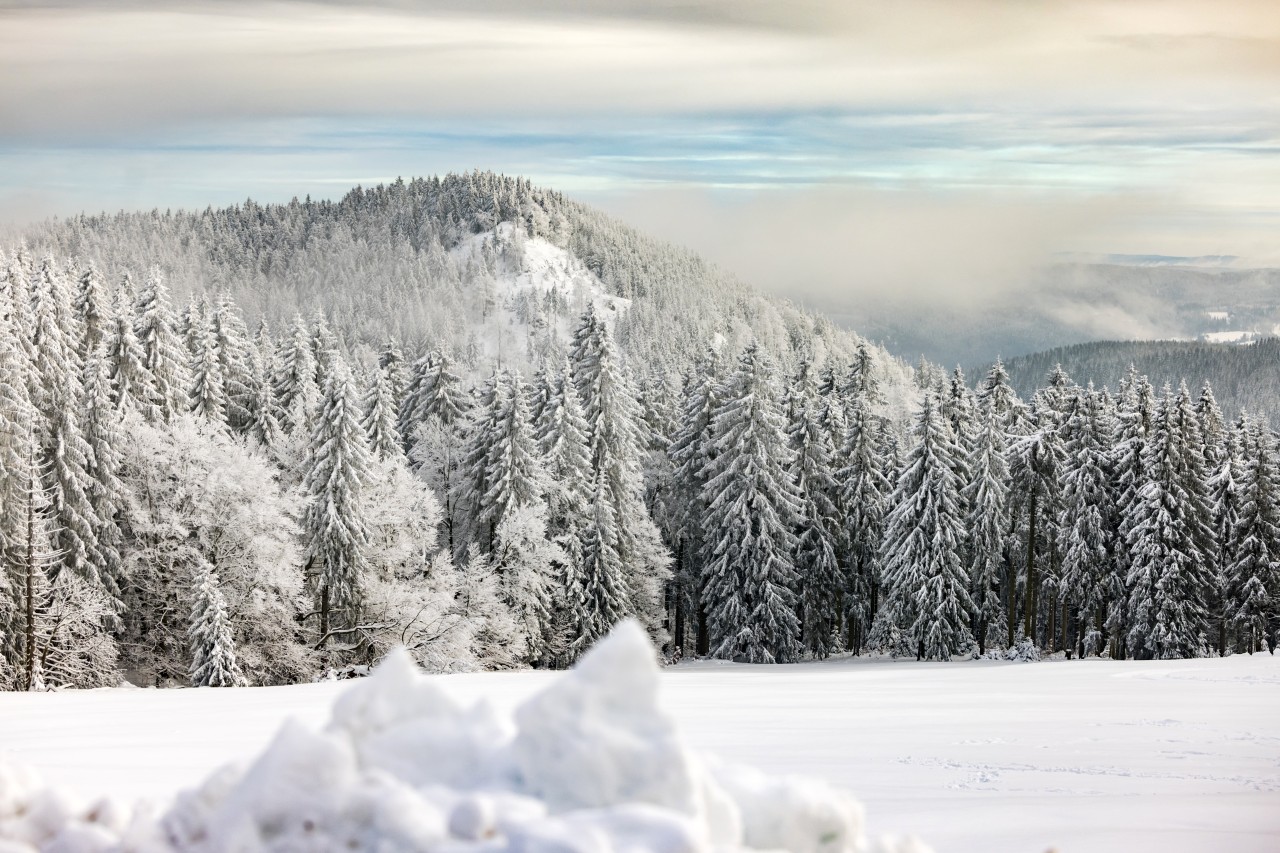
821,149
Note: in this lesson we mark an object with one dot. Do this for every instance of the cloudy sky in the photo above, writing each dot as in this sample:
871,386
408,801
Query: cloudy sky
811,146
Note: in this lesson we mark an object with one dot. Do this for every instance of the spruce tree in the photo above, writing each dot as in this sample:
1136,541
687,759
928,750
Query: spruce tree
163,353
93,311
986,498
132,385
208,388
928,599
864,493
379,420
1254,570
337,472
752,510
296,382
213,648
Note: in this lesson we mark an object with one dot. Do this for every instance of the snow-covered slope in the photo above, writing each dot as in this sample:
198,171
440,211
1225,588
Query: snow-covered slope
1097,756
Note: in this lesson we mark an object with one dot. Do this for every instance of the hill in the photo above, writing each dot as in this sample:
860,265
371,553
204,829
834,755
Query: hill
1244,378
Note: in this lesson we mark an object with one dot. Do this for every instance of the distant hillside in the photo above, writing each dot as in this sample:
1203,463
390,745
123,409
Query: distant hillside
1072,303
1243,377
483,266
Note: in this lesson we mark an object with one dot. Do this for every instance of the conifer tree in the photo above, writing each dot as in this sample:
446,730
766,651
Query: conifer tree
208,388
513,468
752,511
104,435
379,420
213,649
132,385
1169,540
864,493
820,580
1087,516
235,362
93,311
928,599
986,498
337,471
612,413
163,353
1035,470
296,384
1254,569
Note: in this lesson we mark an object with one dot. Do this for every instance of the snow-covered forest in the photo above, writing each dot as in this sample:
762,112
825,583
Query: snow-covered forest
442,445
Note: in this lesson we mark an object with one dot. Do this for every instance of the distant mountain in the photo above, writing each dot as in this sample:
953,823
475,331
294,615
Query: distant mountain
1145,298
1244,378
485,267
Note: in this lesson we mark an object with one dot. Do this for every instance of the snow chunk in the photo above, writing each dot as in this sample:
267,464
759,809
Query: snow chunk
591,765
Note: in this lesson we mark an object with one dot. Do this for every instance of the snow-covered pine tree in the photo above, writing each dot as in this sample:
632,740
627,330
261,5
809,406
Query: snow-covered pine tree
163,354
986,498
598,596
296,382
235,360
208,388
391,361
1035,471
213,648
524,561
1087,519
927,587
1135,410
337,471
864,493
821,582
1253,575
132,385
690,451
1170,539
104,434
513,466
752,510
612,414
379,419
92,308
264,423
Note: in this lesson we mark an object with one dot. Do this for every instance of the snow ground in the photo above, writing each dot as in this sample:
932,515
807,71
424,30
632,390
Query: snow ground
971,756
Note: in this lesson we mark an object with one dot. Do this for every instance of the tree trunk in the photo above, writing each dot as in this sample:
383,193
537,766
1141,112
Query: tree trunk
703,644
324,614
1029,596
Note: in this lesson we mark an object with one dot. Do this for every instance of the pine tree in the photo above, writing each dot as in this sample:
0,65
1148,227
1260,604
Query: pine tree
1254,570
163,352
928,599
296,386
208,388
235,362
752,511
1087,517
93,311
104,435
1035,469
513,468
132,385
337,471
610,408
821,581
1170,539
379,420
986,497
213,649
864,493
1134,416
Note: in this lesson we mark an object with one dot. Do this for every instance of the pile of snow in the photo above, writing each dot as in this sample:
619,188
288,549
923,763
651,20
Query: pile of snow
589,764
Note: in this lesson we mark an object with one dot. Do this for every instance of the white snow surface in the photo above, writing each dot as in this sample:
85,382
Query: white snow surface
592,765
1093,755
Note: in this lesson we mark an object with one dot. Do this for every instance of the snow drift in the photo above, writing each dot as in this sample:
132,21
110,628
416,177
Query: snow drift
590,764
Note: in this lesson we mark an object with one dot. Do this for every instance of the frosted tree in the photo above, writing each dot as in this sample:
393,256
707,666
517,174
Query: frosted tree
1035,470
104,434
391,361
471,485
208,388
524,561
864,493
1170,539
163,353
1135,411
1254,570
514,476
235,361
986,498
1087,518
928,589
597,596
821,581
264,424
379,419
692,447
92,307
752,510
213,648
337,467
612,413
132,385
17,476
296,381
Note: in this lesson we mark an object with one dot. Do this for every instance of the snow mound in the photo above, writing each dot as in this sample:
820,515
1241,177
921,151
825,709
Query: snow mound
591,765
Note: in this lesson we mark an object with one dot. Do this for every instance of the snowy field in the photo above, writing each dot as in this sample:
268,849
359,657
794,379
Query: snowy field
976,756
